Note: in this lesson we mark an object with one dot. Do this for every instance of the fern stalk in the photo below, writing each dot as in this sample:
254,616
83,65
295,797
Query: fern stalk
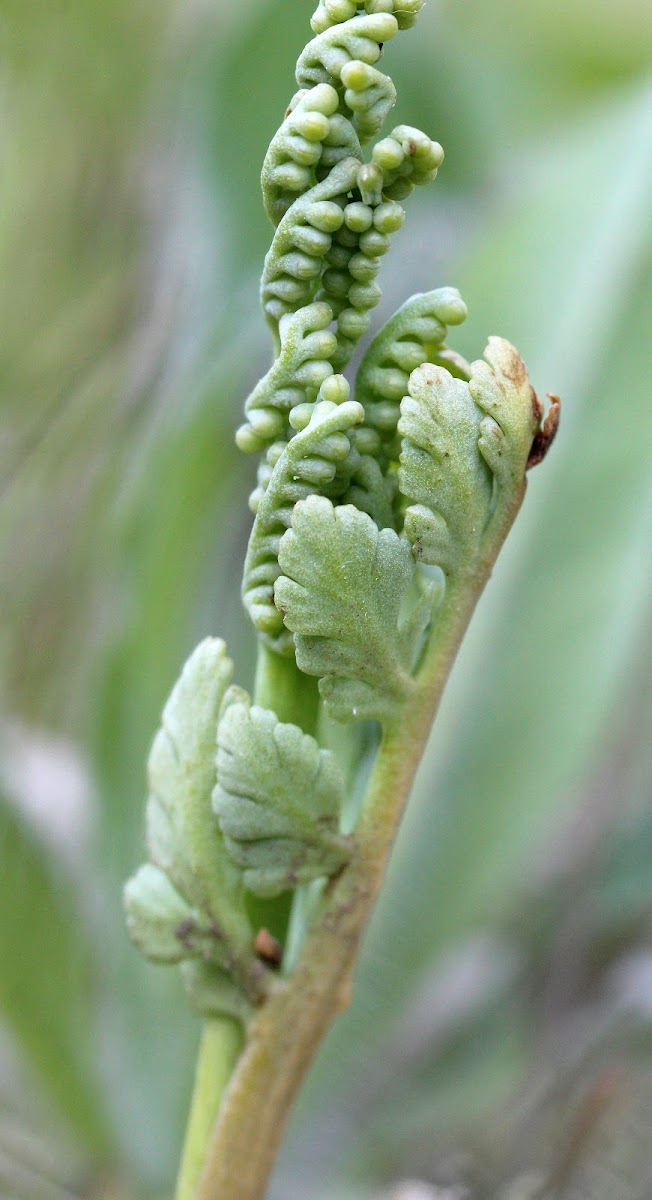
283,1039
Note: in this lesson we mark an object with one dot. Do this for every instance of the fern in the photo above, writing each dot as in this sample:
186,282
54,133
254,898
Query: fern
377,521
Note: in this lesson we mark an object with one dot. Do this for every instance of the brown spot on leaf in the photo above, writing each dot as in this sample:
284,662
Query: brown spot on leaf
545,435
513,368
268,949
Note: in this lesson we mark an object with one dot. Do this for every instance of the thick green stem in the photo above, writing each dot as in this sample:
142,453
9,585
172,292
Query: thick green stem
281,686
220,1046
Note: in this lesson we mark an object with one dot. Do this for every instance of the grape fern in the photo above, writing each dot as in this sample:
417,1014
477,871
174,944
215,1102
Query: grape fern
378,516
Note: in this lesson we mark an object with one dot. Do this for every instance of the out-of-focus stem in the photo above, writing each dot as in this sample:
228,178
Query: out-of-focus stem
221,1043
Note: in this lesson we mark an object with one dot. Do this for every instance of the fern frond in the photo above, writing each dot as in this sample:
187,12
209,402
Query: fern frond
277,800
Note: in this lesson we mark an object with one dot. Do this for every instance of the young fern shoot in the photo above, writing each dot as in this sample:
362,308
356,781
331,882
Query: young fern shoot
378,516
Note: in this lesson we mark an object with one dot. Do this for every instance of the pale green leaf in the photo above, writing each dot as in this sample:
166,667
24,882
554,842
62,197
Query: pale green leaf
182,836
347,593
191,902
502,391
278,799
465,453
164,927
442,474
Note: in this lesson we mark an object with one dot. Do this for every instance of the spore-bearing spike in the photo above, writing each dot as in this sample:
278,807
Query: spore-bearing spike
334,12
416,334
318,212
304,362
346,53
313,138
319,457
335,215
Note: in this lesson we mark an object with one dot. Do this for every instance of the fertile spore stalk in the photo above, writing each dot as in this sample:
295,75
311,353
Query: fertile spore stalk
378,519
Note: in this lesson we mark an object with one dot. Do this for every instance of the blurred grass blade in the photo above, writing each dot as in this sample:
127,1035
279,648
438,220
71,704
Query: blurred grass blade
46,984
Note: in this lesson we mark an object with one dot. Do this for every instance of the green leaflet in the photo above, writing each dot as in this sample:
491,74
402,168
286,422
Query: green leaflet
181,834
501,389
277,800
189,900
164,927
446,481
351,595
465,454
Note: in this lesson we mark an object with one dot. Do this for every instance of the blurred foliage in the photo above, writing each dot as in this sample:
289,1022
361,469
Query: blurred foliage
502,1015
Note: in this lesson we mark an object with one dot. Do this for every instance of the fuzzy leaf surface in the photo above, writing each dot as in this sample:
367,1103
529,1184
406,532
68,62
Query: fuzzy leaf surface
465,453
349,593
189,901
277,800
164,927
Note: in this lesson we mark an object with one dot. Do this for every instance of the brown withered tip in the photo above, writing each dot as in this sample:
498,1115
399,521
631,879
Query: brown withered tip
268,949
545,436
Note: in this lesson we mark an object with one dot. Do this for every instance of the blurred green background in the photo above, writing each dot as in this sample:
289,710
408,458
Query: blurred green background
500,1038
